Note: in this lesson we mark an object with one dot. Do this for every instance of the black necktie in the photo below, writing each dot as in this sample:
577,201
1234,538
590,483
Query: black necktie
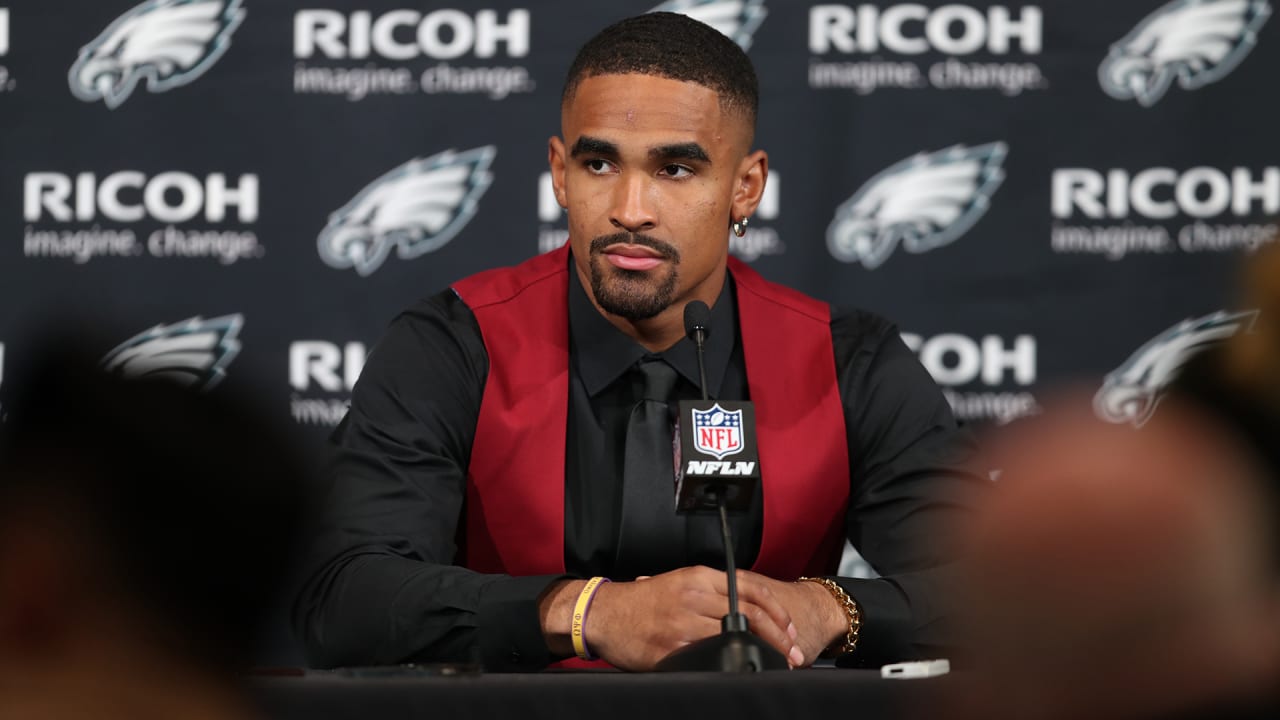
651,538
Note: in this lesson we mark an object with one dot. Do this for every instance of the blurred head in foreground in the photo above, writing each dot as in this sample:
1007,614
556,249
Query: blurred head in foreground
144,531
1122,572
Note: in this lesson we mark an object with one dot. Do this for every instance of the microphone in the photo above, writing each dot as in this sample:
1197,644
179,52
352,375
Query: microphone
709,432
697,326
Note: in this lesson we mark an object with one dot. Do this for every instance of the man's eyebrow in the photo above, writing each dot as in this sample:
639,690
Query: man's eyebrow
587,145
680,151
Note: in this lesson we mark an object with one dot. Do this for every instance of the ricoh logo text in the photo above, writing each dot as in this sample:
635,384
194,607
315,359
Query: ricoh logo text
760,238
86,216
978,43
958,361
1117,212
406,51
322,375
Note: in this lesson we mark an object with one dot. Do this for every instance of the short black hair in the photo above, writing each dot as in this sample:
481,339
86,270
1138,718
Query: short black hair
674,46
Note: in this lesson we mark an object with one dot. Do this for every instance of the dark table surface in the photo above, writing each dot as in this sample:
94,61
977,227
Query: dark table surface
395,693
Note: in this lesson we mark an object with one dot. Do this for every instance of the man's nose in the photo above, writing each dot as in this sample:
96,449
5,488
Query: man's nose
633,208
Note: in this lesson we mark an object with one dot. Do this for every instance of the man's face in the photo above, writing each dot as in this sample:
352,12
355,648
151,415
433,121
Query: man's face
651,171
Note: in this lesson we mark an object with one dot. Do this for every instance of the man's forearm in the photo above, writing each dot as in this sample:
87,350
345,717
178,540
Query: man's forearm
555,614
381,608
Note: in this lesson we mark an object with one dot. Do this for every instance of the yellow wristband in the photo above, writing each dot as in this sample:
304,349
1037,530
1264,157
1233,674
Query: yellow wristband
580,616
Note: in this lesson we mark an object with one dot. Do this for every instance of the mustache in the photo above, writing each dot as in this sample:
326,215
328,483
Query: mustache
667,250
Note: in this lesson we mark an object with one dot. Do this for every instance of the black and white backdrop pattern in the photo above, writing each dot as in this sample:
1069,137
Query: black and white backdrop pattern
246,191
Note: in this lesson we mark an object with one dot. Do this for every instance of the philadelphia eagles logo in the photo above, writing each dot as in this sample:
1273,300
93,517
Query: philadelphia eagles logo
735,19
416,208
923,202
1131,392
168,43
194,352
1196,41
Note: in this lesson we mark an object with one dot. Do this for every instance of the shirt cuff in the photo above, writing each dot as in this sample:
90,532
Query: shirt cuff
885,635
510,629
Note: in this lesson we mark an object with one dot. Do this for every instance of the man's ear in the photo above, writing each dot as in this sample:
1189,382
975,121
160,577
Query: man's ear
749,184
556,160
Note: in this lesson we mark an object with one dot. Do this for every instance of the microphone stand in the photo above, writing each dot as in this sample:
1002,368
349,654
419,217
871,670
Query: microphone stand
735,649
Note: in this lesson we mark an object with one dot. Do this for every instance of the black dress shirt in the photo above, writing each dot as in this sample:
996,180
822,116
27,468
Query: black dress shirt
383,588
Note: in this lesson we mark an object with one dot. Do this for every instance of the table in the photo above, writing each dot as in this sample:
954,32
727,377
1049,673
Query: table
390,694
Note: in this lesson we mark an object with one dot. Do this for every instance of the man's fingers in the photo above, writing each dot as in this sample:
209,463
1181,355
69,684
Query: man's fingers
760,622
753,590
711,607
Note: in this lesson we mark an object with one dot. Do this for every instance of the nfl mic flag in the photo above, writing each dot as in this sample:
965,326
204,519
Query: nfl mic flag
717,454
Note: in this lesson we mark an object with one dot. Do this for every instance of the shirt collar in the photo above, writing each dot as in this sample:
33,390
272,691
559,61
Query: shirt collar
603,353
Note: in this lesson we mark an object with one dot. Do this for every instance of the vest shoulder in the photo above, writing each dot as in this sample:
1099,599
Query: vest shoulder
500,285
746,279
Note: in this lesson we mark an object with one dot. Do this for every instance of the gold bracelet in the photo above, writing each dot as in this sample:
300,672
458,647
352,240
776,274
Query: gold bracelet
580,609
851,611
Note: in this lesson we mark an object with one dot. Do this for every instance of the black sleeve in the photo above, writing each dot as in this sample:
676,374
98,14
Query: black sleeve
912,486
382,588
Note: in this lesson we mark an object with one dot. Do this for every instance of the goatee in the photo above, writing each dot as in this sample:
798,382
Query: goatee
632,294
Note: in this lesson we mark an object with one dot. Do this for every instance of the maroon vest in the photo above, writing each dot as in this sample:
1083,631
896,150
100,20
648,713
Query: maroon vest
514,517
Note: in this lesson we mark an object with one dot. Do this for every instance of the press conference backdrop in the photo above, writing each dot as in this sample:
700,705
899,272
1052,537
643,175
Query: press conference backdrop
247,191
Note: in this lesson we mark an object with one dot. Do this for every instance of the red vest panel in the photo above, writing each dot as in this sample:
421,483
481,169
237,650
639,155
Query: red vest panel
514,517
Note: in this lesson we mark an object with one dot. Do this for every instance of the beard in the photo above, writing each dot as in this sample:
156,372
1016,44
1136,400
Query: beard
633,294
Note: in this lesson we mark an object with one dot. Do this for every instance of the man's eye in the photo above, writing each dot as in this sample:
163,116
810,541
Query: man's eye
677,171
598,166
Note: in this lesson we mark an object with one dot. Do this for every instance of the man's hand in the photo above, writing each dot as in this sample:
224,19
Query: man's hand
820,620
633,625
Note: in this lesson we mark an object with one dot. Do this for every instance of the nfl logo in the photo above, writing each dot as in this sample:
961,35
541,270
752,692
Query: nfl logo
717,431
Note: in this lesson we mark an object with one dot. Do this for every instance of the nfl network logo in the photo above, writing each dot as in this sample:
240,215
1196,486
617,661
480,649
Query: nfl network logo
717,431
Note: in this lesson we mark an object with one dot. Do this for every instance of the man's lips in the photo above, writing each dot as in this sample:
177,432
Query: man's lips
633,257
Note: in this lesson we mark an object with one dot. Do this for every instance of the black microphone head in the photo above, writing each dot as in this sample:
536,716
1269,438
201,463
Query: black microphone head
697,316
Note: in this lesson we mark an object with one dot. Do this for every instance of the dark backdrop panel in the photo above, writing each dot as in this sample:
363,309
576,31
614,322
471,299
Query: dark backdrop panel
1106,215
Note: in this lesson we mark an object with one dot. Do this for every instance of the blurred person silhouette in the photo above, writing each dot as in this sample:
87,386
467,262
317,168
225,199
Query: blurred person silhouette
145,530
1127,573
1122,573
1237,382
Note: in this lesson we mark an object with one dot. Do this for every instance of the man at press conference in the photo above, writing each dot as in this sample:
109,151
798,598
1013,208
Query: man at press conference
507,457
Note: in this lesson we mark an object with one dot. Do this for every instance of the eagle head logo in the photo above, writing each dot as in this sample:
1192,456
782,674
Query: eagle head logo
416,208
1196,41
194,352
735,19
167,43
923,202
1130,393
